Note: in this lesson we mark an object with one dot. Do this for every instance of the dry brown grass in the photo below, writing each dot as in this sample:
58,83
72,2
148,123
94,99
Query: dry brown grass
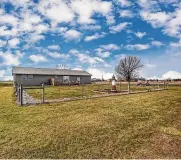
133,126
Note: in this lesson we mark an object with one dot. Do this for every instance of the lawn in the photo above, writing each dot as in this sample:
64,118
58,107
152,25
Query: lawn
132,126
56,92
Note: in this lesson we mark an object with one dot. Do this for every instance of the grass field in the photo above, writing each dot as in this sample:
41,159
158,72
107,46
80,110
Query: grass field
4,83
133,126
56,92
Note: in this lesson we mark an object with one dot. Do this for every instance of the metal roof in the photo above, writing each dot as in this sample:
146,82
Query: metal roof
49,71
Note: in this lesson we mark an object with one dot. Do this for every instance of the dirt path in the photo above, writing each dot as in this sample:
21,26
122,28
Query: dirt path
29,100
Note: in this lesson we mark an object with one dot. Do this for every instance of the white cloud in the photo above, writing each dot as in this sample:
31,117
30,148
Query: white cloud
150,66
90,27
168,20
10,59
95,36
110,47
4,31
173,26
137,47
54,47
104,51
8,19
2,73
33,26
58,55
19,3
31,18
8,78
124,3
72,34
13,43
84,58
57,11
2,43
1,11
176,44
77,69
34,37
146,4
60,29
101,53
157,43
74,51
140,34
110,20
126,14
41,28
97,73
38,58
172,75
87,8
157,19
119,27
120,56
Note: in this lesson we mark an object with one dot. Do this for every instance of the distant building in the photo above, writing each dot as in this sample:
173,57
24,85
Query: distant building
96,80
37,76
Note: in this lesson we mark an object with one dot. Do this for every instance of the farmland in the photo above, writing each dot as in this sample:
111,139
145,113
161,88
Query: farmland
132,126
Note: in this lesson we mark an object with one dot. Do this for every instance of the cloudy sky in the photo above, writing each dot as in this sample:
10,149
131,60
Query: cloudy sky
92,35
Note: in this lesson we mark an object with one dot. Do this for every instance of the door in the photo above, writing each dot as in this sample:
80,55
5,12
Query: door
78,80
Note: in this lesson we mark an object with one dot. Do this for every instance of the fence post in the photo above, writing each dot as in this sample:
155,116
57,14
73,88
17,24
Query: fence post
164,85
43,93
82,90
120,86
21,94
15,88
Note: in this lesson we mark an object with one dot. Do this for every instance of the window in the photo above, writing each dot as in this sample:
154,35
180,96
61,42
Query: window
66,78
30,77
24,77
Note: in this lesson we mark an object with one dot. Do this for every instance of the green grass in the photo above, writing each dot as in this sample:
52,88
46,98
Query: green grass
56,92
133,126
6,83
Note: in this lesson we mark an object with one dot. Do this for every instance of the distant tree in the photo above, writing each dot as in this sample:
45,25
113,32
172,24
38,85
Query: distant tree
128,69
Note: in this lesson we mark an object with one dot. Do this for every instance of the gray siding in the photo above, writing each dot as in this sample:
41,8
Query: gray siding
39,79
86,79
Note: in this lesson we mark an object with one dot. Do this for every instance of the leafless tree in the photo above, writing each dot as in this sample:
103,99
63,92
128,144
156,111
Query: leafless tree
128,69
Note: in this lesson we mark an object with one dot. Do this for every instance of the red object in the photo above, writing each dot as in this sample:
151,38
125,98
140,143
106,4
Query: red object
113,87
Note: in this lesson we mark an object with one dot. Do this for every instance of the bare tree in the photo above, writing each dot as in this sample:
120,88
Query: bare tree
128,69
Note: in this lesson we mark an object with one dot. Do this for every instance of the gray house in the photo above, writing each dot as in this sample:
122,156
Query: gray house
37,76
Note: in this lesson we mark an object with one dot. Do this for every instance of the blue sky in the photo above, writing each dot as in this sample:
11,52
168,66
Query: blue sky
92,35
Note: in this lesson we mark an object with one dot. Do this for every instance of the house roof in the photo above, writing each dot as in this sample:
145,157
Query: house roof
48,71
